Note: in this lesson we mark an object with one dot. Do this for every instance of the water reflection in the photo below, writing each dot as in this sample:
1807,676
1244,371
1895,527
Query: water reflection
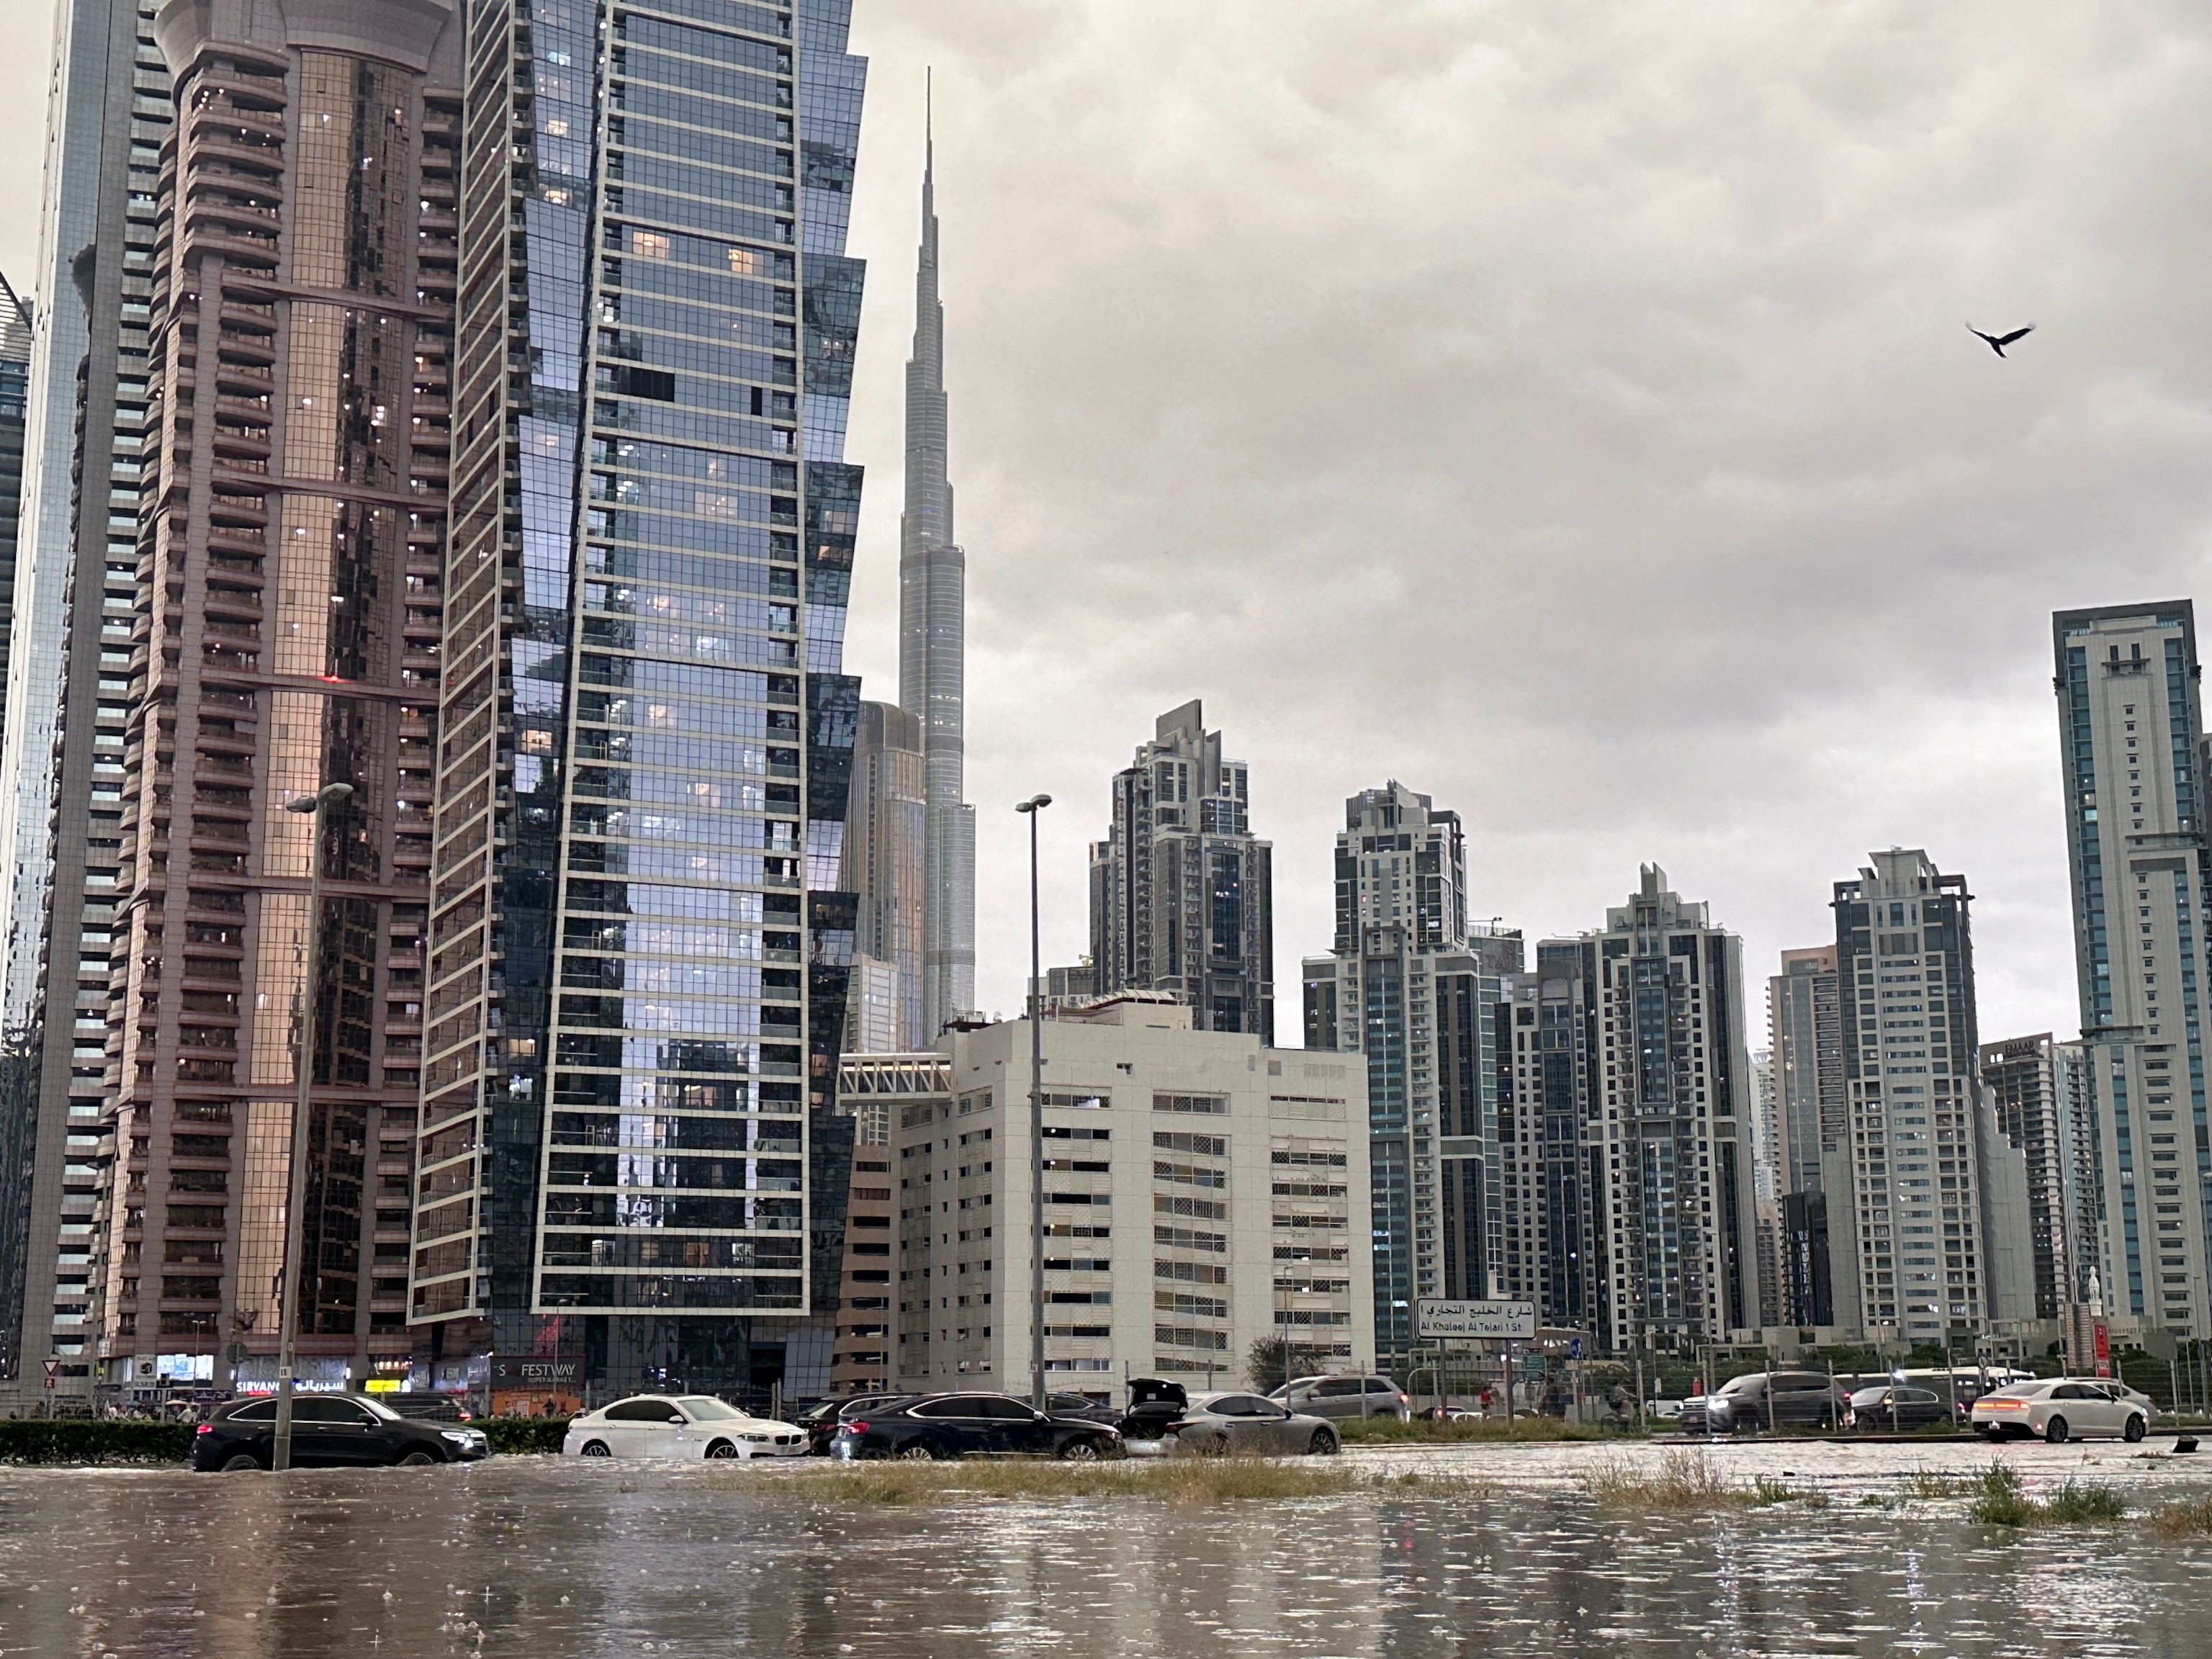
537,1557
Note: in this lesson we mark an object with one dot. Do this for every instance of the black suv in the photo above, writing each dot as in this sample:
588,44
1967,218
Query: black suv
942,1426
1800,1401
329,1430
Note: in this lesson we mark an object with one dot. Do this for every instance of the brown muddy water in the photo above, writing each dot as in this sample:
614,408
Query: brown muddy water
1498,1549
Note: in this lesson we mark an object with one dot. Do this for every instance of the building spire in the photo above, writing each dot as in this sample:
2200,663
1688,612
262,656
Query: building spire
932,578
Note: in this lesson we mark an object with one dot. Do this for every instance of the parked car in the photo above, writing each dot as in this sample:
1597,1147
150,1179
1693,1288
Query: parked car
1083,1406
688,1426
947,1425
426,1407
820,1422
1801,1400
1153,1404
1339,1397
1216,1425
2063,1408
329,1430
1895,1405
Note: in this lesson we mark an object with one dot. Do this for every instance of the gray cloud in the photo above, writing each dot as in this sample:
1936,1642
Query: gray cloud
1565,410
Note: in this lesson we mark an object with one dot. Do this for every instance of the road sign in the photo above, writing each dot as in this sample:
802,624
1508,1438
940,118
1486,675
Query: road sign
1575,1349
52,1366
1490,1320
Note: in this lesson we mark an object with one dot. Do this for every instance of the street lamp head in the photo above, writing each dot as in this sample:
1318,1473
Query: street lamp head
1033,804
329,795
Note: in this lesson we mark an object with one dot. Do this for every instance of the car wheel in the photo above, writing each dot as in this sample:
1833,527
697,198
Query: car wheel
2055,1430
595,1449
1083,1450
721,1449
1212,1446
417,1459
239,1461
1323,1444
2133,1431
917,1453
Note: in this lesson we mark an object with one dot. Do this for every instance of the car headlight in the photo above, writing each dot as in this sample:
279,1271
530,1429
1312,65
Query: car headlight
460,1437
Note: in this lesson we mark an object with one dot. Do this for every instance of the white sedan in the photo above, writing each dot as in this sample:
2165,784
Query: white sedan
680,1425
2065,1408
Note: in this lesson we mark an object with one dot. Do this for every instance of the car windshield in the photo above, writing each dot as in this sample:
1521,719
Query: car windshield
1741,1384
706,1410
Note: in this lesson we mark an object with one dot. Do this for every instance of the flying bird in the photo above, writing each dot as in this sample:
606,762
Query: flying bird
1997,342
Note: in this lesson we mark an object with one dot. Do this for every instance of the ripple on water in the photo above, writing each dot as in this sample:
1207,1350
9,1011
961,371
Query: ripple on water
558,1559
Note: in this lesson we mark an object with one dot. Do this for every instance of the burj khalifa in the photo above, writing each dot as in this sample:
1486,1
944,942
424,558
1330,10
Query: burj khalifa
932,578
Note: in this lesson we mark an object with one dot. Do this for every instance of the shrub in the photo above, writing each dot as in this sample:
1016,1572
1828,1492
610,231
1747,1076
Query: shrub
2002,1503
93,1440
511,1436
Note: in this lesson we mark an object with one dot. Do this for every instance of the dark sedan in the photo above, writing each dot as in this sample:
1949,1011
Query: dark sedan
821,1421
947,1425
1890,1406
330,1430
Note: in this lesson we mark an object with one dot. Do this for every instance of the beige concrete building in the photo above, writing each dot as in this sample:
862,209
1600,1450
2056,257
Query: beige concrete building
1202,1192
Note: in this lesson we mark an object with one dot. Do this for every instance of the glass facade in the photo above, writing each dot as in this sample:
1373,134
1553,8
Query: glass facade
290,551
636,921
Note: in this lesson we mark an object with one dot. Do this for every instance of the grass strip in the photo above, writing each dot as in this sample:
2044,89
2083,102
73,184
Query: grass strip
1191,1481
1389,1431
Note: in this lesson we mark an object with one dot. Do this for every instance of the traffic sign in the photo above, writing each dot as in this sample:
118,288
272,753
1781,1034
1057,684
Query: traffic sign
52,1367
1480,1320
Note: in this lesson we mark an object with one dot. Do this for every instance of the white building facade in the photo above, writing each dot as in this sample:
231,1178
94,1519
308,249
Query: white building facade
1203,1194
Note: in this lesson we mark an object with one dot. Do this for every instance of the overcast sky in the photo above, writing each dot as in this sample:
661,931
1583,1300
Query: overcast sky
1565,410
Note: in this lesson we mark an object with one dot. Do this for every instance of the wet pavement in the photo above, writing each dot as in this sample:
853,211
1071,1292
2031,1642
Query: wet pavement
539,1557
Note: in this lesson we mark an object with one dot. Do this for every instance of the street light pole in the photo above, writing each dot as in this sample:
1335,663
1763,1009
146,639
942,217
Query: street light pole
1030,808
291,1279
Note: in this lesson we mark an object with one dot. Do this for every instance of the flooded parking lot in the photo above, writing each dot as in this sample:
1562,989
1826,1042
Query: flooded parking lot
1494,1547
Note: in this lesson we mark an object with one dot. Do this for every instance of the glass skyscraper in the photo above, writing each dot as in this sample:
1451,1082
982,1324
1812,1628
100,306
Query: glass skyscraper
638,952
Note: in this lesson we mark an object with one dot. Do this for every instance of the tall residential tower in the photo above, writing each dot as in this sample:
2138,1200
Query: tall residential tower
1410,985
932,650
2131,736
1182,893
68,667
1928,1212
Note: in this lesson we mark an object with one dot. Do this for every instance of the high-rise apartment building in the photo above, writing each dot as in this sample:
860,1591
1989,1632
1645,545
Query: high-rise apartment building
1929,1233
1541,1200
68,667
1766,1184
1805,1035
290,547
932,648
1182,892
886,838
1413,989
638,949
16,335
2132,735
1202,1192
2039,1090
1669,1126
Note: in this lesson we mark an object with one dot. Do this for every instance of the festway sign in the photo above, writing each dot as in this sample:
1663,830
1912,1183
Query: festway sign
1479,1320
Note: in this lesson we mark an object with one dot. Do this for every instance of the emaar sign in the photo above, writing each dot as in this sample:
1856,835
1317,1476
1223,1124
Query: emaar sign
1485,1321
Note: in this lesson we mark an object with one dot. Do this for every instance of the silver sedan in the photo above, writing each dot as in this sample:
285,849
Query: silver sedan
1218,1425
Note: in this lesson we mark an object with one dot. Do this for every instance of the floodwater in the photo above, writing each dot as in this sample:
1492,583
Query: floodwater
546,1560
